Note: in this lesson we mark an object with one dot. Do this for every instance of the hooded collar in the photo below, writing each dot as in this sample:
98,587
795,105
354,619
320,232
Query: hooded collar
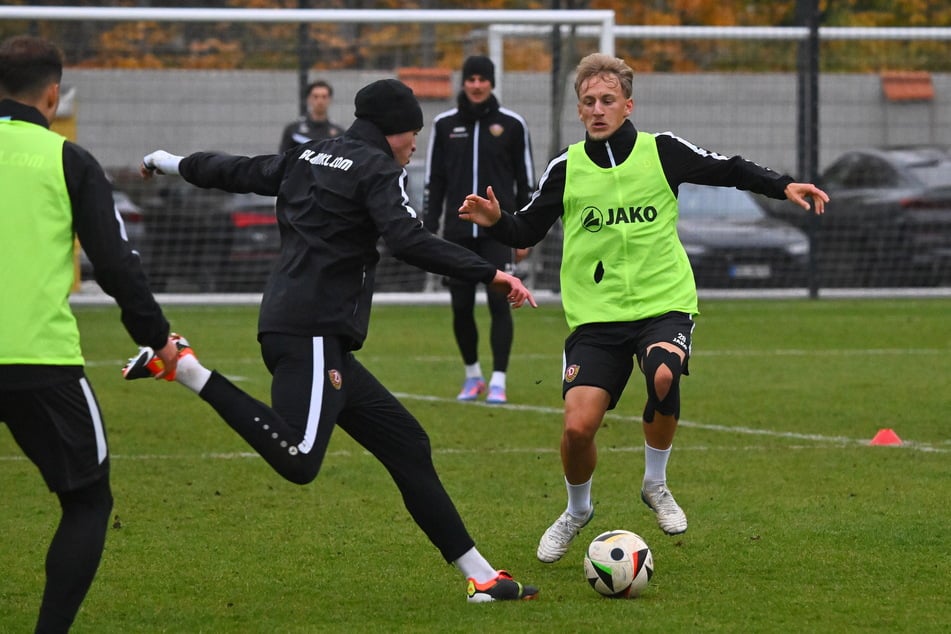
368,133
10,109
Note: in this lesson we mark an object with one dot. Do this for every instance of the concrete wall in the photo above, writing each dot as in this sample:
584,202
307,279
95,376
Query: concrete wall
123,114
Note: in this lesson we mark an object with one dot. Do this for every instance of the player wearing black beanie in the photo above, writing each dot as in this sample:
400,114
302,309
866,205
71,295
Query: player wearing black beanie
390,105
336,199
473,146
479,65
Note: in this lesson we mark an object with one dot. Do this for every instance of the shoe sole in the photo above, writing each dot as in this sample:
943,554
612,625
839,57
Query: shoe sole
485,598
147,365
138,366
651,507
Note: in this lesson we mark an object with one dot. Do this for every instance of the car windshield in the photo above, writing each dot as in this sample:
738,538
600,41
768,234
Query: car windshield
705,201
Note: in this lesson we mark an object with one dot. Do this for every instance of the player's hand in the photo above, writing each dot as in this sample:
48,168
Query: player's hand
798,192
159,161
484,212
169,356
514,290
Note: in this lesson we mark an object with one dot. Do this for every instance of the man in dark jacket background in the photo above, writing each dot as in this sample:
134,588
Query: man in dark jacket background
474,145
315,126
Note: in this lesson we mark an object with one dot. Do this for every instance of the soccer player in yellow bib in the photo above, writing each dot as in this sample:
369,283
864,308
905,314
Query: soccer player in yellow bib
50,190
628,291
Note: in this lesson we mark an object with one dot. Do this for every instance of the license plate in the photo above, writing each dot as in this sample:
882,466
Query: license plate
750,271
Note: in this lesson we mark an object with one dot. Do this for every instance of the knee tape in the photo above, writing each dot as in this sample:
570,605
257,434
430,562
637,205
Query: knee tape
670,404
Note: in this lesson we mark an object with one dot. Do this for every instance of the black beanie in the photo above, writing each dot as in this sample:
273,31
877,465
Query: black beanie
390,105
479,65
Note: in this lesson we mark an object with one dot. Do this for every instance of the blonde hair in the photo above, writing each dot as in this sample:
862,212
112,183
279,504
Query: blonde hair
605,66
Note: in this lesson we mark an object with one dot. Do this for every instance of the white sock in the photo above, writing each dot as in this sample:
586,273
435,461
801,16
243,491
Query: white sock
473,565
655,463
579,498
191,373
498,379
474,371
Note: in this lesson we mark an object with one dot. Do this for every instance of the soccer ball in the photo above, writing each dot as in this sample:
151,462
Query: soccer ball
618,564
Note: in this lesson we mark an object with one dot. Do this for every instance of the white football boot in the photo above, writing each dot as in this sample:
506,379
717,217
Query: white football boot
554,543
670,517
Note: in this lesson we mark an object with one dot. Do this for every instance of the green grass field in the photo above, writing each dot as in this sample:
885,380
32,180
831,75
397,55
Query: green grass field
796,523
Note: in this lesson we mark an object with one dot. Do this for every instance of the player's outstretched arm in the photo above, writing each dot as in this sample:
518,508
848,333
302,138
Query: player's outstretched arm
160,162
799,192
514,290
484,212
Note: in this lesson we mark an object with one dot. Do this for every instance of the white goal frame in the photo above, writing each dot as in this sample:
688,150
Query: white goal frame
599,23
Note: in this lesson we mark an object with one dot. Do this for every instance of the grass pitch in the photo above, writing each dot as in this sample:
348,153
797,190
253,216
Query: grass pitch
796,523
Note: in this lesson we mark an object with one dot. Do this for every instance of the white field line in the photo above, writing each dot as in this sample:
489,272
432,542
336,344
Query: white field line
819,441
779,352
824,440
818,438
791,352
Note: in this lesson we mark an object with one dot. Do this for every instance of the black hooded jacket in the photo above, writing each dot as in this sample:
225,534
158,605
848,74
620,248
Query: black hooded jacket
471,147
335,199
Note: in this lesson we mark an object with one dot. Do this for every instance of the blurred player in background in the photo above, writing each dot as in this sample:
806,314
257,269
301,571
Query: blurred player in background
474,145
336,198
315,126
50,190
627,287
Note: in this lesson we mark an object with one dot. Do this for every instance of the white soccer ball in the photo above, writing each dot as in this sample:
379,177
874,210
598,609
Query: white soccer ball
618,564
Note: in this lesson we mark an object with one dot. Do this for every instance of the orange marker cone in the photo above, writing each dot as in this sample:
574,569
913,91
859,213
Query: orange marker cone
886,438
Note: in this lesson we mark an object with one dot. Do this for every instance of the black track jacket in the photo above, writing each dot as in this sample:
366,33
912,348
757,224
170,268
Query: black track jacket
335,198
472,147
681,161
304,130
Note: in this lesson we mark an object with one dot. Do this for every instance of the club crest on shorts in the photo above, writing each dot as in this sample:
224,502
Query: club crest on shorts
336,379
571,372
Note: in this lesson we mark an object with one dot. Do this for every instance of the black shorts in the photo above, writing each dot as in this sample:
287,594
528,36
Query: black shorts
60,430
603,354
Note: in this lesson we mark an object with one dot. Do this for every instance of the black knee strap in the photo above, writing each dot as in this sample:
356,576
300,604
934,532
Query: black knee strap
669,405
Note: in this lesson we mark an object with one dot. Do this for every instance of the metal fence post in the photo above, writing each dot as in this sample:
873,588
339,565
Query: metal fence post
808,120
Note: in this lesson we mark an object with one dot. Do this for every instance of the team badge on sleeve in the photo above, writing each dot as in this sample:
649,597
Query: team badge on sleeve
336,379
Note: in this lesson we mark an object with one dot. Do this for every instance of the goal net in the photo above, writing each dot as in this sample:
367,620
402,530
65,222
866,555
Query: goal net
186,80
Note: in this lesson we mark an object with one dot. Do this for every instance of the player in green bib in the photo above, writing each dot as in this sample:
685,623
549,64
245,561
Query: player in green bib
51,190
627,287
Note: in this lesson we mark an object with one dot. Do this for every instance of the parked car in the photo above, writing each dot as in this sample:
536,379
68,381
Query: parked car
731,242
132,220
888,220
207,240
